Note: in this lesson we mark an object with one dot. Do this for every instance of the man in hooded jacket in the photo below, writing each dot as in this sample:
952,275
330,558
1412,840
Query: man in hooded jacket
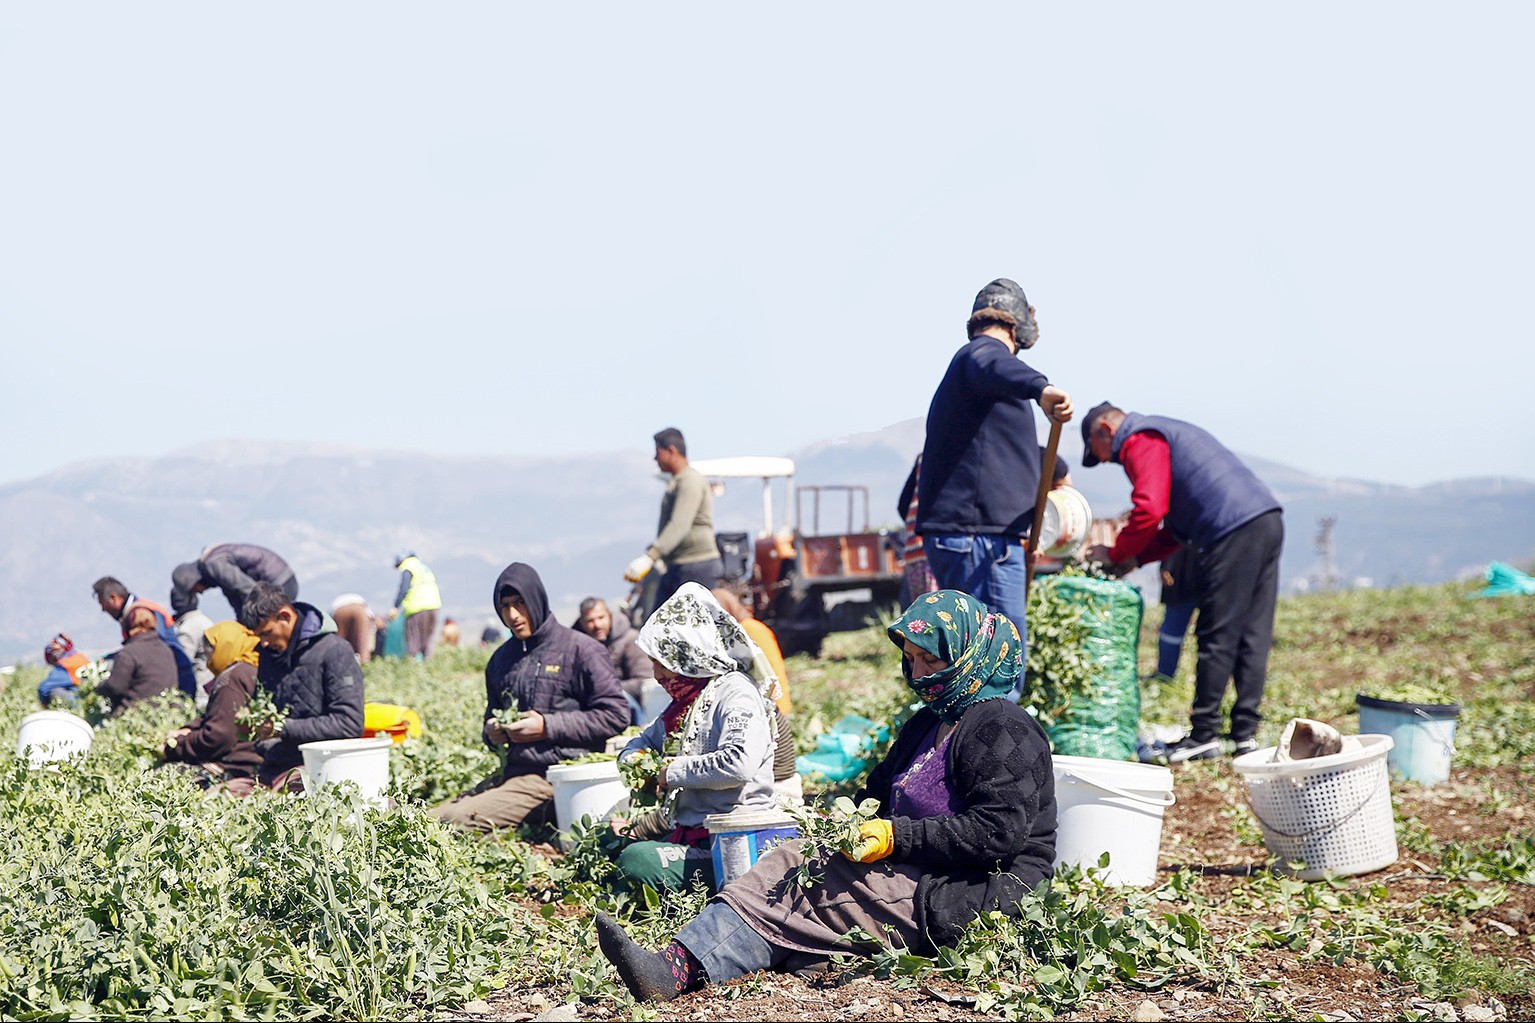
312,675
568,700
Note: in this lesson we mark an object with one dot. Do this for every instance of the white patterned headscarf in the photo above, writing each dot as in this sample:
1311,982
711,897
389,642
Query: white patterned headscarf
694,636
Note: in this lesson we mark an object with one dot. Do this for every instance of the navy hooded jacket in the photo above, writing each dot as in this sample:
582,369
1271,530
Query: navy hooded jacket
563,674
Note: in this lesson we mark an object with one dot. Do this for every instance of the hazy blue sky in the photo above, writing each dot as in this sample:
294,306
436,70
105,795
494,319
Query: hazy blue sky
549,229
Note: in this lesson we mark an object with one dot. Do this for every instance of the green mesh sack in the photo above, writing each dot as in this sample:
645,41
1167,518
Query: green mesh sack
1084,672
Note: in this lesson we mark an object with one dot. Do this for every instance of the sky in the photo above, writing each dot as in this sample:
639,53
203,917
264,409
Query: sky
551,230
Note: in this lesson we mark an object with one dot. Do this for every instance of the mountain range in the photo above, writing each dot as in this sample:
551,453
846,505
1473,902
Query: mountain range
338,515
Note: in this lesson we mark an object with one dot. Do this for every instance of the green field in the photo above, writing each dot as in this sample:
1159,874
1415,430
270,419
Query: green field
128,893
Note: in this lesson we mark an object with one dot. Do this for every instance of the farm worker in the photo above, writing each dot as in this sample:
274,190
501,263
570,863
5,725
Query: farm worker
916,574
312,676
64,664
1187,488
115,600
1180,599
617,636
451,634
191,625
568,699
419,601
144,667
980,460
966,825
685,540
356,624
715,739
235,569
211,748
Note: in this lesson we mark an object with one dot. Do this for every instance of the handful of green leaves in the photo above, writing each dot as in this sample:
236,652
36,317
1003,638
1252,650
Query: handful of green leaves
826,831
260,718
639,773
506,716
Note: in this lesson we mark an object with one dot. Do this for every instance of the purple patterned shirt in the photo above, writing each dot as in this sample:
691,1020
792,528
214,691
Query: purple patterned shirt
923,789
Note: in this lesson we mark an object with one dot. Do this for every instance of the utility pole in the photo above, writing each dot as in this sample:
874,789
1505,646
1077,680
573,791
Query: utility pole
1327,578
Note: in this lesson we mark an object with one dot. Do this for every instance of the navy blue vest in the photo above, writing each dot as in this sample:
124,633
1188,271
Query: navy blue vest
1212,491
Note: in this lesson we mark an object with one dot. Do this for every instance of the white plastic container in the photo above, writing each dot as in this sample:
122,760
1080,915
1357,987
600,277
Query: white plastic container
737,840
586,790
365,762
1331,815
653,700
1114,807
1064,528
51,735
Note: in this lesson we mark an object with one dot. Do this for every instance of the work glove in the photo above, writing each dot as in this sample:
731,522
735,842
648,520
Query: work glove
876,840
639,567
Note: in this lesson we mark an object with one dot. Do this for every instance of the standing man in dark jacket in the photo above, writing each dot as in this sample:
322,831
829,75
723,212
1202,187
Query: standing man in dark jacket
235,568
568,698
312,675
980,462
617,636
1188,488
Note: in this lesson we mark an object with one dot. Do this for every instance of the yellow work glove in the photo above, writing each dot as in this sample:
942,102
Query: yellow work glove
876,840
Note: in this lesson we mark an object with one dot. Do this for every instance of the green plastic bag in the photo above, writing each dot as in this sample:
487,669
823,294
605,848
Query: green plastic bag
1103,721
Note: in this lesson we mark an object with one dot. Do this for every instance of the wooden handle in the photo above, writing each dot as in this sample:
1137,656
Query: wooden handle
1046,474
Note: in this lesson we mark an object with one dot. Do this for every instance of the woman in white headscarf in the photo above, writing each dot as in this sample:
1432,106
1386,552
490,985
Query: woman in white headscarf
715,739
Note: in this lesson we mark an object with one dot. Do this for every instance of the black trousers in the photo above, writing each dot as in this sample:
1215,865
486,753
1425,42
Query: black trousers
1235,628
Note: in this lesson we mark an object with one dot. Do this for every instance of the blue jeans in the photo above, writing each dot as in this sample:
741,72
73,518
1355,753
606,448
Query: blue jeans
1175,624
990,568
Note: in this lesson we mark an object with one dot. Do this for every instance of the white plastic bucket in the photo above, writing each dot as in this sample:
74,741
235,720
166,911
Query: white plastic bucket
1064,528
586,790
1114,807
653,700
50,735
364,762
737,839
1331,814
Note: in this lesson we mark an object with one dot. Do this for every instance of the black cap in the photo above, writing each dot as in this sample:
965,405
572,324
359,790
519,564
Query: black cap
1088,458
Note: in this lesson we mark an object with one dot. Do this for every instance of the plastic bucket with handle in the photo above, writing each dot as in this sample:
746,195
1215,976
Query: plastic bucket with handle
1114,807
737,839
586,790
50,735
363,762
1422,736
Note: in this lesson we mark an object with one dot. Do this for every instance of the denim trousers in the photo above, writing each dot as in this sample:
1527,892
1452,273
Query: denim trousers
990,568
727,946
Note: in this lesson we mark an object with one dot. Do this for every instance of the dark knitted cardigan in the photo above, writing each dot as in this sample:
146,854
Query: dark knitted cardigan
1002,844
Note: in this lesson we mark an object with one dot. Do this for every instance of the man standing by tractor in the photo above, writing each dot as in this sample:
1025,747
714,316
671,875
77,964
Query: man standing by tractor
419,600
1189,489
980,463
685,540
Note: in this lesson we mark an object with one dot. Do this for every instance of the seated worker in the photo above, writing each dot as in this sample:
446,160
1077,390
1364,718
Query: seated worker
786,779
64,664
715,738
617,636
211,747
115,599
313,677
967,825
561,683
143,668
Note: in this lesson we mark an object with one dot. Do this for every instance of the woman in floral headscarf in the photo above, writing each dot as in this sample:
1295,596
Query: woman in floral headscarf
715,740
967,794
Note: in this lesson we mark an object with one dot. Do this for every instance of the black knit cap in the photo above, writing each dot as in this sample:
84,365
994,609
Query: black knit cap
1005,295
1088,458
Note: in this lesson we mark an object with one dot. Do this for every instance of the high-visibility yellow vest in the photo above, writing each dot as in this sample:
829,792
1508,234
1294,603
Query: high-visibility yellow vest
423,594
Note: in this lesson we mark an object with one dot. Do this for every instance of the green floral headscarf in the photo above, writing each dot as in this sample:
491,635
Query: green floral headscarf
983,649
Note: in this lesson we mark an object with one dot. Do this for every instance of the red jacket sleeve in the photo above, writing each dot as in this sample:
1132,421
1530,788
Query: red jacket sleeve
1148,462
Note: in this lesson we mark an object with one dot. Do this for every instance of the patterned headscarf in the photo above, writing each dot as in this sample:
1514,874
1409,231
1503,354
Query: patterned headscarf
694,636
983,649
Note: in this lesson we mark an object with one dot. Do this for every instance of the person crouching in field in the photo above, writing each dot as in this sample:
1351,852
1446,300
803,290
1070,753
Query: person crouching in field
312,676
144,667
550,695
967,825
212,749
713,744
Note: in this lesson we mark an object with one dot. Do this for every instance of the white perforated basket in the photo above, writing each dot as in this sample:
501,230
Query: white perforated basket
1326,817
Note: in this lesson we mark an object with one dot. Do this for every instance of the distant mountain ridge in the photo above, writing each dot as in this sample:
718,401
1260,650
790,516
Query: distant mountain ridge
337,514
